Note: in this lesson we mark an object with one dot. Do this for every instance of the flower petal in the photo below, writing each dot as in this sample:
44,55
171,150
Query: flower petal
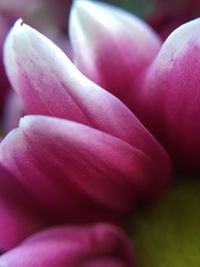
93,171
20,216
169,101
48,83
110,45
73,246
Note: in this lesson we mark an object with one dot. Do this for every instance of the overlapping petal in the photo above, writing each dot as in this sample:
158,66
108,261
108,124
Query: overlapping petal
100,245
110,45
169,99
20,215
79,173
48,83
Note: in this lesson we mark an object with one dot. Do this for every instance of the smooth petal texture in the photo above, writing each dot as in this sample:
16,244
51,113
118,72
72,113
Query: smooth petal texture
110,45
20,216
99,175
91,246
169,103
48,83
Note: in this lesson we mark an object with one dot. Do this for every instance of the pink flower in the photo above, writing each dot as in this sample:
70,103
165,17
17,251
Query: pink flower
95,161
159,83
44,15
168,102
20,213
100,245
110,45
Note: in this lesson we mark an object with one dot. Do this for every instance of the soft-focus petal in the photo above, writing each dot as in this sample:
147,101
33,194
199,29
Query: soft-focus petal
108,262
20,215
169,100
74,169
48,83
3,79
12,112
110,45
91,246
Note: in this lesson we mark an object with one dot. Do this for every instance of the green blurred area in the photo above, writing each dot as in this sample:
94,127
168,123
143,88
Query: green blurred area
148,7
142,8
169,235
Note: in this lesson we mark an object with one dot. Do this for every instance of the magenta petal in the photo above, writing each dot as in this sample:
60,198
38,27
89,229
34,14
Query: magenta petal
48,83
19,215
104,262
79,165
169,103
73,247
110,45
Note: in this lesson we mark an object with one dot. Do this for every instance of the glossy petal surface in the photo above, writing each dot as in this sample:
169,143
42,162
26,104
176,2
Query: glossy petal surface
48,83
61,161
92,246
169,100
110,45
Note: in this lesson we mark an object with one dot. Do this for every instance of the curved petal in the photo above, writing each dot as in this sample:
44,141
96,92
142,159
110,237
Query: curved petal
169,103
110,45
73,246
48,83
65,162
20,216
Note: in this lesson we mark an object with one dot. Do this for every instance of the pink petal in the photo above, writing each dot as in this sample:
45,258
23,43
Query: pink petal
77,172
107,262
169,103
48,83
20,216
110,45
73,247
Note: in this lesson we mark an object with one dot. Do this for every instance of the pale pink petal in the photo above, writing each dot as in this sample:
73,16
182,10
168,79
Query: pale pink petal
48,83
169,100
111,46
78,172
73,247
20,216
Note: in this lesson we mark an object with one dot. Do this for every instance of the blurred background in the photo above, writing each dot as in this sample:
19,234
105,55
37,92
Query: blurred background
164,16
50,17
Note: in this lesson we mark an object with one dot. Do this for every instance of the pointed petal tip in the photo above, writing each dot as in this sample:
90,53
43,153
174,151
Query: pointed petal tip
23,122
81,12
18,22
11,41
17,27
